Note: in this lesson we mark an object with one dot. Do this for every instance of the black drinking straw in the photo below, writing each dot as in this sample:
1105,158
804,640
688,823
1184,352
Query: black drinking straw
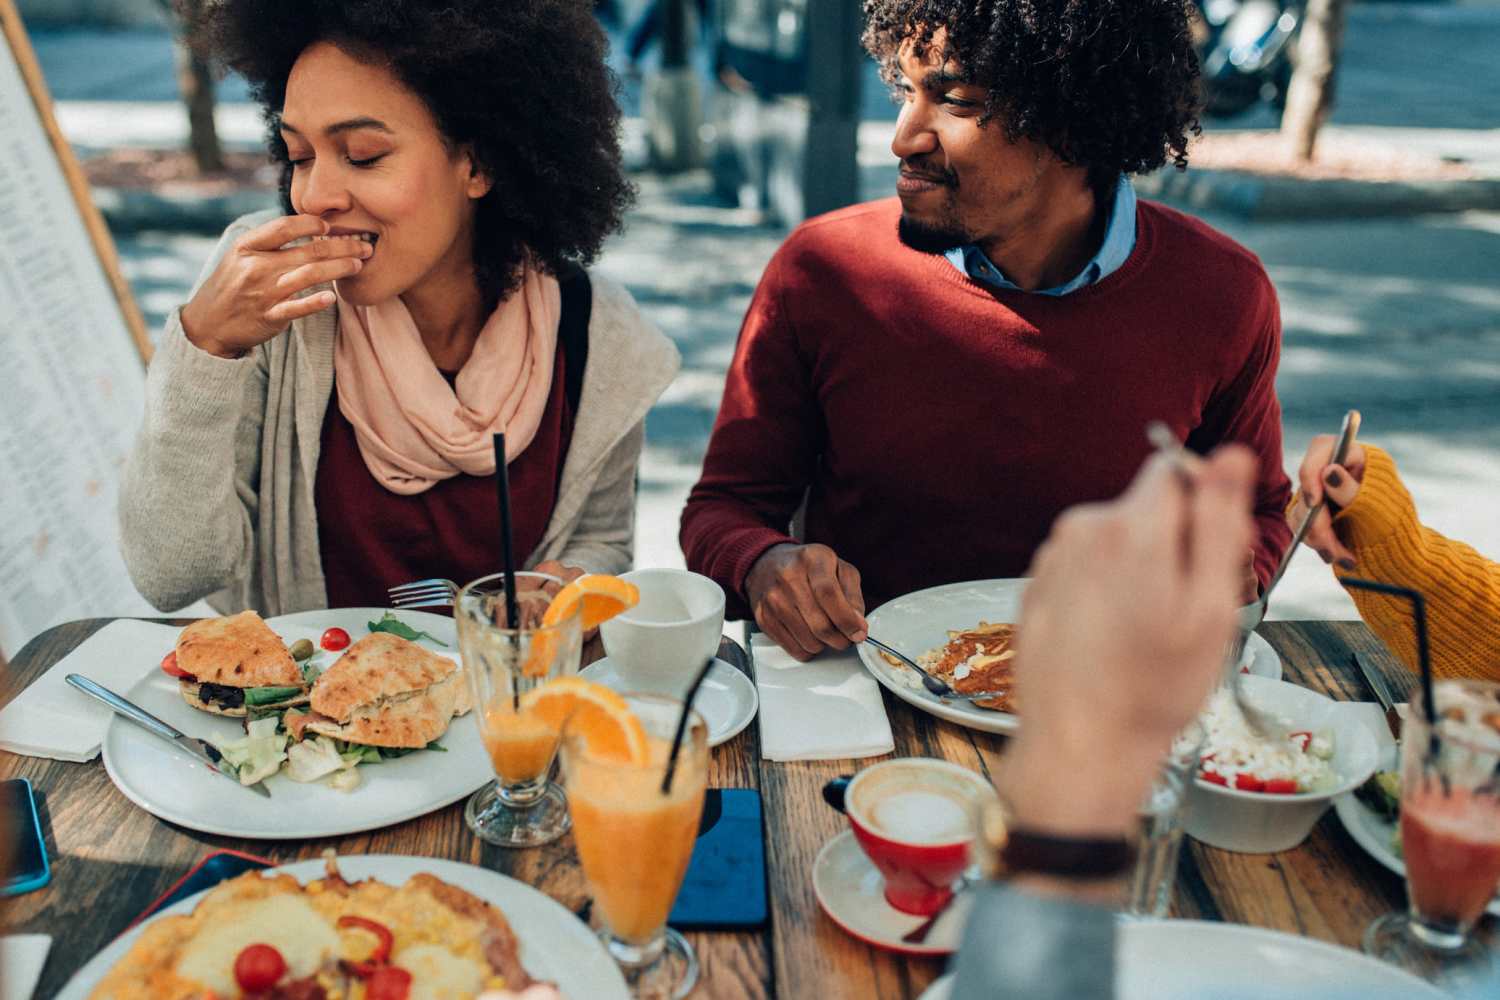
512,613
1419,618
687,709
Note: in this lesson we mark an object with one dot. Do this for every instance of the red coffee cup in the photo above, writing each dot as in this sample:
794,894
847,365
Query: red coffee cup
915,819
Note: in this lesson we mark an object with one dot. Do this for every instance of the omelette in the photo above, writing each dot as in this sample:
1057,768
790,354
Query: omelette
329,936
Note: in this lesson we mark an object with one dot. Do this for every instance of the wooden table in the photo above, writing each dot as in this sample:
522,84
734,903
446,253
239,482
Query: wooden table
111,859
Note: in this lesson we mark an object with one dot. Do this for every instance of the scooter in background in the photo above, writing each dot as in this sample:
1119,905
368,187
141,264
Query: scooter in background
1246,50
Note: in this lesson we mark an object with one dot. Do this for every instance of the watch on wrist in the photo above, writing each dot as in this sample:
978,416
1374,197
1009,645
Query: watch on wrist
1008,849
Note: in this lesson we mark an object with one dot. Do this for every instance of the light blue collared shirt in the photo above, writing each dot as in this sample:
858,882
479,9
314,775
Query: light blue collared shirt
1119,241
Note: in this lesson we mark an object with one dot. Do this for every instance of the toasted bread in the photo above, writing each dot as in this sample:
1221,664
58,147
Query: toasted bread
237,651
386,691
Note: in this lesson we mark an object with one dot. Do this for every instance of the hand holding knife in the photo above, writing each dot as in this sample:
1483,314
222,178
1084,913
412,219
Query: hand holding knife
199,749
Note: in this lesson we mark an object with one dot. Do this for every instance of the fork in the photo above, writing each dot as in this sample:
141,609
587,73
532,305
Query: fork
431,593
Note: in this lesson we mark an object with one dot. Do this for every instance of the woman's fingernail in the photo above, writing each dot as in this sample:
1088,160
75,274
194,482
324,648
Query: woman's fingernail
1335,478
1346,563
1325,555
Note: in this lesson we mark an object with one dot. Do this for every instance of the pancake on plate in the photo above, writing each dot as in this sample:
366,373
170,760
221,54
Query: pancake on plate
978,659
224,658
451,943
385,691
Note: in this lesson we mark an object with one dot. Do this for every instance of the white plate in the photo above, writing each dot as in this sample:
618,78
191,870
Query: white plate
173,786
555,945
1373,833
727,700
1193,959
850,891
921,621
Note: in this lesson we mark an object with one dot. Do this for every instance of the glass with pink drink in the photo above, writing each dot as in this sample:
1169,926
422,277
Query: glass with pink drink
1450,828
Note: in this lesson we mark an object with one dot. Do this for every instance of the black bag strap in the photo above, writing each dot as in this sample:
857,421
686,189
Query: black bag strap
573,329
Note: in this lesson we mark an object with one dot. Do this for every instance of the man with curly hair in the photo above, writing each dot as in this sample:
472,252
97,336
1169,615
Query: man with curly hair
932,378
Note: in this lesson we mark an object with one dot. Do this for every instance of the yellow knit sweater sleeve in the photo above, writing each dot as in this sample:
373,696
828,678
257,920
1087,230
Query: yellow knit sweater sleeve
1462,587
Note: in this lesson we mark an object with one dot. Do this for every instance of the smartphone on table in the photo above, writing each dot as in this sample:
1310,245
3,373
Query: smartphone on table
725,885
27,868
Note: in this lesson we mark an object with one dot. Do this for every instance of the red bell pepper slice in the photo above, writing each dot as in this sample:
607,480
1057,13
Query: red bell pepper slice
383,942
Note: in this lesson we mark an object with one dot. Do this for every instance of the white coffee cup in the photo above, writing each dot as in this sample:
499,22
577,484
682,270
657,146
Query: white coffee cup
659,644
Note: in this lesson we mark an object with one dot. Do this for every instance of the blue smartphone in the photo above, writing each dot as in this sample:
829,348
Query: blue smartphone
28,866
725,886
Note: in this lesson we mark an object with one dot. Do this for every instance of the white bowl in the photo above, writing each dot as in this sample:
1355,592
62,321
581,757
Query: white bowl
1261,823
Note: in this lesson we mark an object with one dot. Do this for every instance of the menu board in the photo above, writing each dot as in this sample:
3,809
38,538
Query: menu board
72,372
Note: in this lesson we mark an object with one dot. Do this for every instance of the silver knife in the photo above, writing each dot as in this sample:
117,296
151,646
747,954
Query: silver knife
200,749
1375,680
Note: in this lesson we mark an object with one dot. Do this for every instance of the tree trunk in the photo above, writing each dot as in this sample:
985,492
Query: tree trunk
196,82
1309,98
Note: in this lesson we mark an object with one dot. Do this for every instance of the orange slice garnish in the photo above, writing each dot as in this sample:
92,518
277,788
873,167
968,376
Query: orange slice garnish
597,596
609,729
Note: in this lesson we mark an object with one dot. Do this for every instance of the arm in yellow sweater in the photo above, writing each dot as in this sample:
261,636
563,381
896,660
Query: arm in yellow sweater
1462,587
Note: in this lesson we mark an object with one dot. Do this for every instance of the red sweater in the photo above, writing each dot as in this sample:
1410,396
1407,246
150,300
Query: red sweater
938,427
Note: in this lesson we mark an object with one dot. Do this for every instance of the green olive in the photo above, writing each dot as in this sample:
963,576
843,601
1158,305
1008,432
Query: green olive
302,649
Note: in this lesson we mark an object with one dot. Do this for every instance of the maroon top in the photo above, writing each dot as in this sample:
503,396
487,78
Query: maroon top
937,427
371,539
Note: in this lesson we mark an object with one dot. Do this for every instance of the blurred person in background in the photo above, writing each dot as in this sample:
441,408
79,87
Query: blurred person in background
319,414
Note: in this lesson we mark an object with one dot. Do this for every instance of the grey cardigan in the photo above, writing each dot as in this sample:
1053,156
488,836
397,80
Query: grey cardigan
217,495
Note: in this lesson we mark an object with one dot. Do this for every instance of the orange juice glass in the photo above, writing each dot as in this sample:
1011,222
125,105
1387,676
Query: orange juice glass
634,842
522,807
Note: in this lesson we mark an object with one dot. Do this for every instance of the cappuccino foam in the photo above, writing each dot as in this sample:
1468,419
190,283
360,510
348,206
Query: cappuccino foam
923,816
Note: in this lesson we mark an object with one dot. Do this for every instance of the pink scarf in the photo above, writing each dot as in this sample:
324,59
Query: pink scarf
413,429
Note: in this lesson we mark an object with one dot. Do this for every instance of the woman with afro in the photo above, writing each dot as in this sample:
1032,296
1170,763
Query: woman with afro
320,412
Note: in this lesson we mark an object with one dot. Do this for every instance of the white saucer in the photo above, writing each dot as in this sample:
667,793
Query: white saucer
727,700
849,889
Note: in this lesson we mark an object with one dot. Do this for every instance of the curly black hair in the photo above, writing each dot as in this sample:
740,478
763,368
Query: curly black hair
521,85
1109,85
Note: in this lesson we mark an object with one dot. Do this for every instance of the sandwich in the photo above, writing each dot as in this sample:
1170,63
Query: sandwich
385,692
231,665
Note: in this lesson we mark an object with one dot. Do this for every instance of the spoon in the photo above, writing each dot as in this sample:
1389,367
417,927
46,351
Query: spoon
935,685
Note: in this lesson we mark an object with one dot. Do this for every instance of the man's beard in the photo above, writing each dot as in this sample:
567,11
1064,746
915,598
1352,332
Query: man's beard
932,238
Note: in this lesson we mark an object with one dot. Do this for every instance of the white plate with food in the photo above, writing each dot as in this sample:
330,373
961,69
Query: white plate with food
351,785
1191,959
1378,835
448,940
920,624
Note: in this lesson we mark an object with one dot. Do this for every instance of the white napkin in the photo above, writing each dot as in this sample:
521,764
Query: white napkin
52,719
828,709
21,959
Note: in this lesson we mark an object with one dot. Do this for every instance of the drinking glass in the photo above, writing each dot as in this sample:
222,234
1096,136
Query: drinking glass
634,841
1160,842
1450,830
522,807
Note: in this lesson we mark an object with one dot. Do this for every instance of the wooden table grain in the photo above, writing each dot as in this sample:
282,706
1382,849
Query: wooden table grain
111,859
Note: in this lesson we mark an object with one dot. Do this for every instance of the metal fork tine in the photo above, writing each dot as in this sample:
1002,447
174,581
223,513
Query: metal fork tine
434,582
428,592
436,602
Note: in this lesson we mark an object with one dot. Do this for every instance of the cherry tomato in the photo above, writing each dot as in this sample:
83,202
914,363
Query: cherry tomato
1280,786
334,639
258,968
169,666
388,983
